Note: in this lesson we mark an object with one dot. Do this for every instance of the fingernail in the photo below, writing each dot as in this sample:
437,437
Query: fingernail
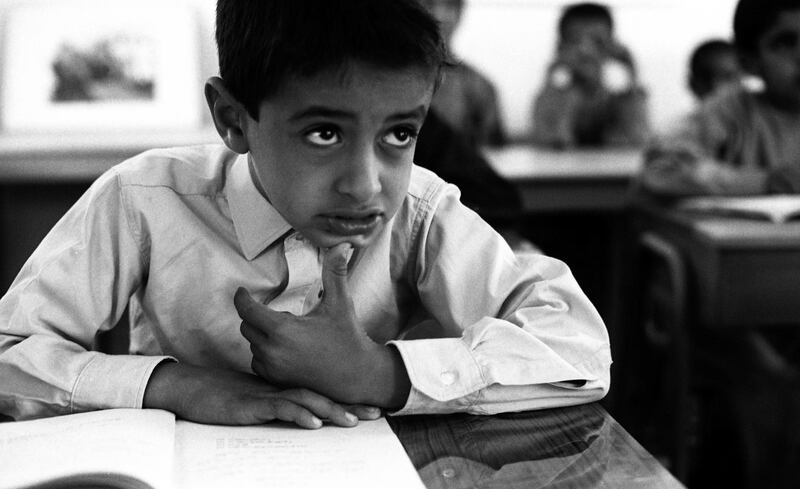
351,417
316,422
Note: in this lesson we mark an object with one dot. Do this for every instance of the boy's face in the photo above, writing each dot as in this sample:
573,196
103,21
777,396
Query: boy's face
778,61
584,45
333,152
720,71
588,38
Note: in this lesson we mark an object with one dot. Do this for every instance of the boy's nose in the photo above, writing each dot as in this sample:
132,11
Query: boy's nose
361,176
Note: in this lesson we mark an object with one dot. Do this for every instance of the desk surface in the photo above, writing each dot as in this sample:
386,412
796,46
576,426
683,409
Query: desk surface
580,180
572,447
523,162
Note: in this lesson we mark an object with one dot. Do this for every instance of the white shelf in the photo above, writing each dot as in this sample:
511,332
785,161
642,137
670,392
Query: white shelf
81,157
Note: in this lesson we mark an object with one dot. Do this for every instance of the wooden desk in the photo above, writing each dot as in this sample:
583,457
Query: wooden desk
743,272
571,447
586,180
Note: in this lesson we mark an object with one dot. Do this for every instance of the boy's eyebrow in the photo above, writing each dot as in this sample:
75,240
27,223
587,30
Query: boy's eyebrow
322,111
418,113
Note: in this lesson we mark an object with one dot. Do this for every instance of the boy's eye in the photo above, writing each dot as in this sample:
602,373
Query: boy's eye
323,136
400,137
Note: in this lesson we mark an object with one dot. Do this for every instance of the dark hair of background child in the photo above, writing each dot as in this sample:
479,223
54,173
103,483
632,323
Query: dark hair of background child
754,17
584,11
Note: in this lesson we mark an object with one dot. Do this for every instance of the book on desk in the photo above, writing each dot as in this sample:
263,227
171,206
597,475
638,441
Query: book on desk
775,208
150,449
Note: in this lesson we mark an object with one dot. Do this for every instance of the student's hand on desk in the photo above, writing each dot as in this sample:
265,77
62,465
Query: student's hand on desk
325,350
227,397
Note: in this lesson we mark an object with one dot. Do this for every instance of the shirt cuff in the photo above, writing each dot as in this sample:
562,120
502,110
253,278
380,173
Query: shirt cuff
114,381
440,370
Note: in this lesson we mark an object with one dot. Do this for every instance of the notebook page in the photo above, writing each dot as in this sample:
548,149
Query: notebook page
131,442
280,456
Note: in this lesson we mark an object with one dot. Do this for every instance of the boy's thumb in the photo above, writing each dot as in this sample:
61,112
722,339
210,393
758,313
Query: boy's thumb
244,303
335,267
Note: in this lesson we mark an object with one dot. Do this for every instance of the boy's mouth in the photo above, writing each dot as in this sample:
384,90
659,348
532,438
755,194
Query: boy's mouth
353,224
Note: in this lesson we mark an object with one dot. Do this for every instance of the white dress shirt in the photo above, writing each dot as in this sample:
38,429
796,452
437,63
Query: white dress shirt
174,232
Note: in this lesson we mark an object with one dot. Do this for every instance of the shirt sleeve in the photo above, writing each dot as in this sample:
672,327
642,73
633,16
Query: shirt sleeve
75,284
517,331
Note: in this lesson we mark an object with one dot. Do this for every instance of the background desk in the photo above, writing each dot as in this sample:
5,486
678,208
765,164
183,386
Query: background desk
700,285
742,272
575,180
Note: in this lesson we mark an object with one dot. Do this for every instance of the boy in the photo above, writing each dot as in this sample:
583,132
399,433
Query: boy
466,99
591,95
334,244
741,142
713,66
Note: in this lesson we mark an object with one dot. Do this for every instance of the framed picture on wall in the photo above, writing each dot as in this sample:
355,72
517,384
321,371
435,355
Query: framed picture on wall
96,65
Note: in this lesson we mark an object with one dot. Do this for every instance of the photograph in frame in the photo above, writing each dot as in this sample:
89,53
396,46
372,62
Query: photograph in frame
89,65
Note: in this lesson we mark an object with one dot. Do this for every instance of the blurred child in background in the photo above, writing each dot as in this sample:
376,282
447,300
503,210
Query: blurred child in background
591,95
466,99
743,142
713,66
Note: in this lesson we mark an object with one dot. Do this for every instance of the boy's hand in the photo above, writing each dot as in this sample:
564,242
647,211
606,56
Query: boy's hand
324,350
235,398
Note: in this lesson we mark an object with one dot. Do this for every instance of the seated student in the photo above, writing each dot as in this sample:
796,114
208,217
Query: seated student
741,142
466,99
276,277
590,95
713,66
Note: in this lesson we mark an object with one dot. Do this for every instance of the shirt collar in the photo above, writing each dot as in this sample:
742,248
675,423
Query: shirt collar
258,224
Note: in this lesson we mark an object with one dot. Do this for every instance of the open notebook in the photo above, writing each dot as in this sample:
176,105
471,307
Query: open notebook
149,449
775,208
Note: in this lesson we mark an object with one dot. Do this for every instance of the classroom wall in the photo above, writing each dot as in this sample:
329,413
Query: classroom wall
513,40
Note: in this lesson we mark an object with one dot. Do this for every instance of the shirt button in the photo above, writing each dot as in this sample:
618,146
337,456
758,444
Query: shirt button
448,377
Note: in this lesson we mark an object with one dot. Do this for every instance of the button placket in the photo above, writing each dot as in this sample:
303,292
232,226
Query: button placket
304,269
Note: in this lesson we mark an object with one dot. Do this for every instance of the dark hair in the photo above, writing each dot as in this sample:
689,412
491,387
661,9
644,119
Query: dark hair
584,11
260,43
705,52
754,17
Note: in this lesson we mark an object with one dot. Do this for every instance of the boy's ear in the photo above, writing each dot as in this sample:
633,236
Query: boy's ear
228,114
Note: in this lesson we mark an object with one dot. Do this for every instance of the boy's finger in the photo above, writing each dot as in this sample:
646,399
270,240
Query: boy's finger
285,410
322,407
252,311
334,271
364,412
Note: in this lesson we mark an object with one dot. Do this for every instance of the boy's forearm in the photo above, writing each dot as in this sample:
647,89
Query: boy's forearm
164,389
